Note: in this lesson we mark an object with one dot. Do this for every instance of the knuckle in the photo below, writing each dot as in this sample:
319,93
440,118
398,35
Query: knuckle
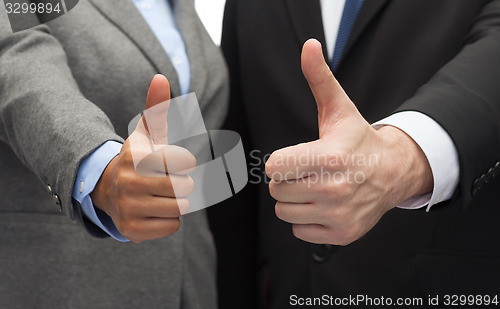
182,205
297,231
173,226
182,186
192,161
189,186
273,189
341,190
304,233
278,209
133,181
179,159
136,241
190,182
123,228
344,240
347,241
129,229
123,181
270,165
269,168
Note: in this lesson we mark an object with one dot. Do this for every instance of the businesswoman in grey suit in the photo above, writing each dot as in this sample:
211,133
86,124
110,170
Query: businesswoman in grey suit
67,88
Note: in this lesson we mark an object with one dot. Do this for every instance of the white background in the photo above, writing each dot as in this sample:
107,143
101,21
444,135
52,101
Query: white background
211,13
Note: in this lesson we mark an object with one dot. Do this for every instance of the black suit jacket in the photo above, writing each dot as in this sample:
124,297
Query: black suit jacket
441,58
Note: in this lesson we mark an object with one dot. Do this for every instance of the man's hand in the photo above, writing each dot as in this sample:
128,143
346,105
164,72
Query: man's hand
335,189
134,189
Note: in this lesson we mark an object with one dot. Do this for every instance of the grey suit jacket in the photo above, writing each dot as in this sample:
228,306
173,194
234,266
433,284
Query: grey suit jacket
65,89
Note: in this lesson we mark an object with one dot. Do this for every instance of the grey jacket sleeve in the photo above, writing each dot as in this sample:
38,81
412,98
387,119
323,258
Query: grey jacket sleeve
44,117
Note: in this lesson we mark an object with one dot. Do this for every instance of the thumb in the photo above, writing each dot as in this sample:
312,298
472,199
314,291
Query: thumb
333,103
156,109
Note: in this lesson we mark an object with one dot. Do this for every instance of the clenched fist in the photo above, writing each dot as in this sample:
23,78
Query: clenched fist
335,189
144,188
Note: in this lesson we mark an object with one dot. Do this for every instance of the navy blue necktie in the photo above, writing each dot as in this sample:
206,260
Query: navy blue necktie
351,10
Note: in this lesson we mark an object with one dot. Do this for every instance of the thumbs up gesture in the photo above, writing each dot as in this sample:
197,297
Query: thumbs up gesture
335,189
137,187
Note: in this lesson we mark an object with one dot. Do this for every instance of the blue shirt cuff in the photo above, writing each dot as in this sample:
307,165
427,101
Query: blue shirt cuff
89,172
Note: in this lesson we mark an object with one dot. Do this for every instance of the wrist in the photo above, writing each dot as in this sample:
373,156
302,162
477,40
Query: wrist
408,172
100,193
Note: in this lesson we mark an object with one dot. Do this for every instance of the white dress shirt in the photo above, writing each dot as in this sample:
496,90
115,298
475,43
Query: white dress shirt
427,133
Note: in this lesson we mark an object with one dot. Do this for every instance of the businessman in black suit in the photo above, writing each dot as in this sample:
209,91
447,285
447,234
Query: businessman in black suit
438,60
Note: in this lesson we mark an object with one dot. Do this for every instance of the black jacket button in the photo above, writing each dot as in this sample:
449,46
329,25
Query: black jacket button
322,253
476,187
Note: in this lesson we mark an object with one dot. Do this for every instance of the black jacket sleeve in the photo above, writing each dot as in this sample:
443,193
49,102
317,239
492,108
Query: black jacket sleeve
464,98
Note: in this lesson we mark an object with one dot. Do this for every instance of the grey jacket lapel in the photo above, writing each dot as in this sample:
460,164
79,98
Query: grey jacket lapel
125,16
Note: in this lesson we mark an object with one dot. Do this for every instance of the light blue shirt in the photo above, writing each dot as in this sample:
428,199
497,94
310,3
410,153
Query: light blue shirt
160,18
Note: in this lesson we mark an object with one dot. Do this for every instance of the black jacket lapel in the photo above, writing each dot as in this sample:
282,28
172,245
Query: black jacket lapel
306,20
368,11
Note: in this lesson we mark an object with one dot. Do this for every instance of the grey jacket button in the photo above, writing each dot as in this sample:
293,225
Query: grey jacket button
322,253
58,202
56,198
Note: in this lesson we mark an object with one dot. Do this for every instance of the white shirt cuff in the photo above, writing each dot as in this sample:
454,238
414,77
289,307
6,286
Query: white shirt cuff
439,150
